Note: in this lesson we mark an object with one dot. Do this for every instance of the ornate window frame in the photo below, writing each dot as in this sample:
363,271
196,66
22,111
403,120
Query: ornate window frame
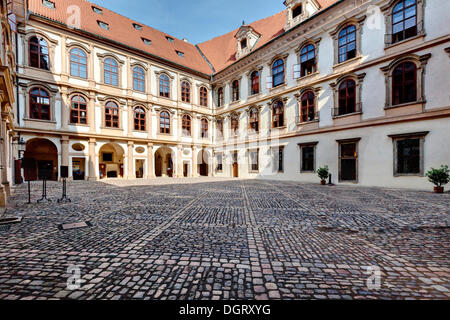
249,112
316,43
358,22
158,87
53,96
298,96
146,76
69,47
283,57
217,102
313,145
249,77
119,103
120,64
200,87
183,79
271,105
421,63
207,128
232,101
341,142
52,44
171,114
146,111
235,116
387,11
249,151
86,97
191,122
358,78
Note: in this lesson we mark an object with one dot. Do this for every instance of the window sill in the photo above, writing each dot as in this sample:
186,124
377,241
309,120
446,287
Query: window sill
78,125
253,171
350,61
235,102
112,86
40,120
109,128
347,115
407,104
302,123
308,171
311,75
254,96
278,88
78,78
399,43
399,175
39,69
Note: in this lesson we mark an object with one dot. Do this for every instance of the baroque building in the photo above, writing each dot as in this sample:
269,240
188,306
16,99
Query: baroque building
358,85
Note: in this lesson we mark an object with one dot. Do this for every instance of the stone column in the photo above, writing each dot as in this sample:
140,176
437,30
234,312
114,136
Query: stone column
92,160
194,162
131,172
5,189
91,112
130,118
180,161
64,151
64,109
150,168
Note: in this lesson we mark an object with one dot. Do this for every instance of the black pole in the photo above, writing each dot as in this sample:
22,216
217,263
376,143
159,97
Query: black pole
44,191
64,195
29,192
329,180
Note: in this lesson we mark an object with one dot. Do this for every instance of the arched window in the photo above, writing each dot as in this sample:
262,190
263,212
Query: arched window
278,114
78,63
404,20
234,124
164,86
307,60
111,115
78,110
164,122
404,83
185,92
139,79
347,43
254,79
111,72
254,120
39,104
235,90
39,54
220,99
347,97
186,125
204,128
278,72
308,108
139,119
203,97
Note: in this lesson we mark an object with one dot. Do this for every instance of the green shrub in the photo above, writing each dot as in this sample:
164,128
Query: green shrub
439,177
323,173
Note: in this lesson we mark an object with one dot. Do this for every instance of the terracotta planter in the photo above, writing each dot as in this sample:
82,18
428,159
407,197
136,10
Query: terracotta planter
323,182
438,189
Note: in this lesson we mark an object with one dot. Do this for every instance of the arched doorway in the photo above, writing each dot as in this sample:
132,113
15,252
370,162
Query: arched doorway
43,159
203,162
163,162
111,161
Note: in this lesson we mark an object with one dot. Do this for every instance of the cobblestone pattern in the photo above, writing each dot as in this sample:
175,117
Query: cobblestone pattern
217,239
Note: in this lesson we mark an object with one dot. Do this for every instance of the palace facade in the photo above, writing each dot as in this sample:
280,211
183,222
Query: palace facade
361,86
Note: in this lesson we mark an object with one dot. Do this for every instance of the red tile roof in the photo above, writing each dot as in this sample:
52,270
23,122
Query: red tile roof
220,51
121,30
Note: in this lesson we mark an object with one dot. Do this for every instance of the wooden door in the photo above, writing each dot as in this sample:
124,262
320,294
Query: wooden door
102,171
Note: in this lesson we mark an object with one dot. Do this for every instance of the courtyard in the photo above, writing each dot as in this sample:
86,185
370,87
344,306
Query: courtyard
214,239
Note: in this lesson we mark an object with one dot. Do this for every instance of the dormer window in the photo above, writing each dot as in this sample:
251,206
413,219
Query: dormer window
298,10
97,10
170,39
246,38
244,44
181,54
48,4
137,26
147,41
103,25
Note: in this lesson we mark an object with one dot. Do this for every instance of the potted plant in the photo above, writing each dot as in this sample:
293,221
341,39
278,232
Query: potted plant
323,174
439,177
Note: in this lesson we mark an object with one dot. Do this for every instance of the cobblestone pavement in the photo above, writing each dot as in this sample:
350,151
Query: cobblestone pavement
218,239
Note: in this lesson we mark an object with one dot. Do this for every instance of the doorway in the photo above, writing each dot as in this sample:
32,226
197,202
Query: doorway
185,169
348,161
78,168
139,165
44,157
235,165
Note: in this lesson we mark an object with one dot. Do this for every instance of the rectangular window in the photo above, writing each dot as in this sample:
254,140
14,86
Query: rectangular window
409,154
307,156
107,157
254,160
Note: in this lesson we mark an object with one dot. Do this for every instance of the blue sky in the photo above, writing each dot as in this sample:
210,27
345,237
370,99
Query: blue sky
196,20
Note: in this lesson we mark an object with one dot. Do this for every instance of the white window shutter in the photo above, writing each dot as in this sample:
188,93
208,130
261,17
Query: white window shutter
296,71
269,83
